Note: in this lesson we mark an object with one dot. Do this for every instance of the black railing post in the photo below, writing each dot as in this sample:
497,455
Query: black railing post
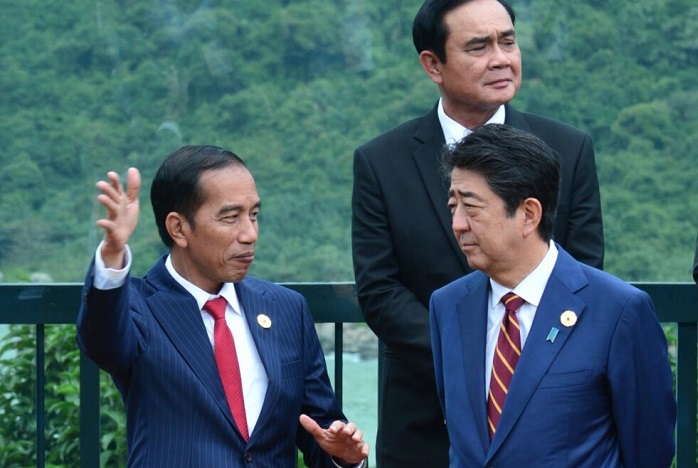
40,397
89,413
686,395
339,362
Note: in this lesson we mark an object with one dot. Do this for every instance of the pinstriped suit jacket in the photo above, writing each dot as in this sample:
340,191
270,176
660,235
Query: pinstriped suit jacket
149,336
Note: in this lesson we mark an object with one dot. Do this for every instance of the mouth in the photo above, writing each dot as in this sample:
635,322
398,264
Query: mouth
500,83
465,246
247,257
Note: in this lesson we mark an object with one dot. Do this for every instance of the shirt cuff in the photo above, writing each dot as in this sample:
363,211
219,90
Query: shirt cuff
110,278
362,464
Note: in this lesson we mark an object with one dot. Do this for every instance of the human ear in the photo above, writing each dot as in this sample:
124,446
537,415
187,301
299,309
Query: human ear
532,214
431,65
178,227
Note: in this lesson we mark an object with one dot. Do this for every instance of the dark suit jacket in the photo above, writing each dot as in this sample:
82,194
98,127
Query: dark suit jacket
150,337
404,249
598,395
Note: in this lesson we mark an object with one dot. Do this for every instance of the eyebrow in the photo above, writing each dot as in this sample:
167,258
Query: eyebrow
464,194
485,39
236,207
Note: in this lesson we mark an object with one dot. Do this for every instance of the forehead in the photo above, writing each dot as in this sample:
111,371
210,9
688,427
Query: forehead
478,18
228,185
469,183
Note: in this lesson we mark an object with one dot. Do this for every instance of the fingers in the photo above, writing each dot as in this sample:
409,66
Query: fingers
341,440
113,189
349,429
122,208
113,193
133,183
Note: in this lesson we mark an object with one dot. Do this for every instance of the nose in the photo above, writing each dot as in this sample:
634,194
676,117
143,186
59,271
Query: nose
499,57
249,232
460,222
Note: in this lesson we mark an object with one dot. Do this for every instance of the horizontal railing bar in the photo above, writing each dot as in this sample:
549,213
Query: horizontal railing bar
42,304
58,303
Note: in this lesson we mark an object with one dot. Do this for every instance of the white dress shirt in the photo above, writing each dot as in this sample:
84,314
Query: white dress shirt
530,289
455,132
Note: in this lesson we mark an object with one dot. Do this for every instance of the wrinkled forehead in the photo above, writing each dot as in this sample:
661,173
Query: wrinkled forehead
479,18
466,182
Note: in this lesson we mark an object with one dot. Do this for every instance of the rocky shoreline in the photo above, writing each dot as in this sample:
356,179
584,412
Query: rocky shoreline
358,339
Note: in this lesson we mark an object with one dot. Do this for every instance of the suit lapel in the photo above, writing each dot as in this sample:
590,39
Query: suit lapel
539,352
472,320
180,319
254,302
428,160
515,119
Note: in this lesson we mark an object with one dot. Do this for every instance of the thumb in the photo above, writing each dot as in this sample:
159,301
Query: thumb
309,424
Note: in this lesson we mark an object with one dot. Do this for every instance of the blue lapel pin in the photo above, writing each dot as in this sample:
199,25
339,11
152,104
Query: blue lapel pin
552,334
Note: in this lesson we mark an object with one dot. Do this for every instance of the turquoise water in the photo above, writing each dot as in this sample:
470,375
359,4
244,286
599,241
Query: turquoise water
360,395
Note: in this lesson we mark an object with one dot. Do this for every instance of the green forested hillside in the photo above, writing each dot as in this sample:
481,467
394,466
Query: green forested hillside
293,87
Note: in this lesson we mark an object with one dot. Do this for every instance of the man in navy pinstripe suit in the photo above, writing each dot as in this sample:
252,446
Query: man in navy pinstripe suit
153,337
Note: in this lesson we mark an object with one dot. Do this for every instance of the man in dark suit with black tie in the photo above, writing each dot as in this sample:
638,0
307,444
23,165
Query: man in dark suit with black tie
216,368
403,248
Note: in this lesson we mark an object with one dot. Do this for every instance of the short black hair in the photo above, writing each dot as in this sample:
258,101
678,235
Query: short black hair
429,31
176,186
516,165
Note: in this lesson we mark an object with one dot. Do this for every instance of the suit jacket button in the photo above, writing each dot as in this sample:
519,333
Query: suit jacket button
248,456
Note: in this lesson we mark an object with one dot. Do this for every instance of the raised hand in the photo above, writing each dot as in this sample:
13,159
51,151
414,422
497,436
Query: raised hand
122,215
344,441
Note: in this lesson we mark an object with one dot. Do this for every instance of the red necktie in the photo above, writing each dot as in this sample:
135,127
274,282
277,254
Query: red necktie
506,355
227,362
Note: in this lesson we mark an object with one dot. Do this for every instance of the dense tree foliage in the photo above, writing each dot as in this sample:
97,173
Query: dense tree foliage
293,88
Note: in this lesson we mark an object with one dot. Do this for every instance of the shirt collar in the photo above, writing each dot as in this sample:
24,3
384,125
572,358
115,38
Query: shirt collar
531,288
454,132
201,296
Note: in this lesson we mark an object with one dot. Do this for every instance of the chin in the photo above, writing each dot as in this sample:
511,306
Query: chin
472,263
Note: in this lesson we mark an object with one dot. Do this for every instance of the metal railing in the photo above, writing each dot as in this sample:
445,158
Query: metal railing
44,304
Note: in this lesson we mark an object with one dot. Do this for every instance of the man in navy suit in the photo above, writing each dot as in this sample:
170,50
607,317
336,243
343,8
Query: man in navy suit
157,339
592,386
402,244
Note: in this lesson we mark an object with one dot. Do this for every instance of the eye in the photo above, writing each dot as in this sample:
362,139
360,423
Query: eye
477,50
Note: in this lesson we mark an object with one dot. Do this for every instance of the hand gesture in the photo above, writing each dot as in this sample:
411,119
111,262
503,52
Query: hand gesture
344,441
122,215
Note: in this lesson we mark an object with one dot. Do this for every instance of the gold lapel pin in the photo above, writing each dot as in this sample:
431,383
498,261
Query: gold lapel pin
263,321
568,318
